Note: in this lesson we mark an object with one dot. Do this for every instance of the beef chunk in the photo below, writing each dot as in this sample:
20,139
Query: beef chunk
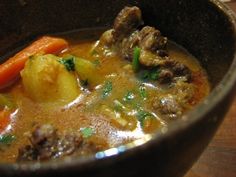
168,106
176,101
126,48
150,59
47,143
152,45
125,36
126,22
165,76
43,135
151,39
179,70
107,38
27,154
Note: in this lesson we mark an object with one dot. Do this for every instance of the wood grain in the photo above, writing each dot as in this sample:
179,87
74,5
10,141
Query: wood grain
219,159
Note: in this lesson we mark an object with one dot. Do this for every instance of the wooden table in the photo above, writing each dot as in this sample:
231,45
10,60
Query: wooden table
219,159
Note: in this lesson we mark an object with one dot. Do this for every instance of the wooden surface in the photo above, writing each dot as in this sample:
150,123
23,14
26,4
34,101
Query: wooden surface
219,159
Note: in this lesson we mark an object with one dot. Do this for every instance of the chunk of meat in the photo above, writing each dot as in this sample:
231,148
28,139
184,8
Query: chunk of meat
183,92
125,36
107,38
168,106
179,70
47,143
153,51
126,22
126,47
165,76
169,69
176,101
151,39
149,59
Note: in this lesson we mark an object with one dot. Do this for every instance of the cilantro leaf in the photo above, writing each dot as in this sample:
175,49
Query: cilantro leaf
128,96
149,75
136,56
141,116
87,132
69,63
7,139
107,88
142,91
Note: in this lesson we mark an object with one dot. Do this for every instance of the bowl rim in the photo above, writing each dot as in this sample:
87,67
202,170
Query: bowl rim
197,114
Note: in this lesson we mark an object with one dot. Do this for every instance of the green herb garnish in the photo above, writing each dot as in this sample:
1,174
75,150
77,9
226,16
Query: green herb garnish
143,91
144,75
107,88
154,74
6,139
69,63
128,96
136,56
141,116
149,75
87,132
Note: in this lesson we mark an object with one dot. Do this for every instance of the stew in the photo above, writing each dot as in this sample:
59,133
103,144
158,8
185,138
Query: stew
77,93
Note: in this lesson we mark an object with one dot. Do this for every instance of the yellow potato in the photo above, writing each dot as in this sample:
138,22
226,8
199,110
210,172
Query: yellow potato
87,71
45,79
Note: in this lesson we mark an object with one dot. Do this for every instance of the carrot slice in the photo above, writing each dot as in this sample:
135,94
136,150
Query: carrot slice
12,67
4,119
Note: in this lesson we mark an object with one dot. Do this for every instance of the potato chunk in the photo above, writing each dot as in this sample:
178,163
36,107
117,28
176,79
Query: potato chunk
87,71
45,79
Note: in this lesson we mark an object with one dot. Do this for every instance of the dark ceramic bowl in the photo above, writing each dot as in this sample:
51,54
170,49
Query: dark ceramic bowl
205,27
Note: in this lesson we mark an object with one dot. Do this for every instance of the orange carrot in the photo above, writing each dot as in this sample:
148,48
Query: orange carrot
12,67
4,119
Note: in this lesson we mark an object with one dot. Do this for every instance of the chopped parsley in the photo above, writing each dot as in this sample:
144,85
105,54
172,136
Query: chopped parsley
142,91
154,74
136,56
69,63
86,132
107,88
128,96
149,75
142,115
6,139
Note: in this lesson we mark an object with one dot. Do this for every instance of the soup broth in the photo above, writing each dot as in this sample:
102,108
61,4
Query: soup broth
112,118
96,94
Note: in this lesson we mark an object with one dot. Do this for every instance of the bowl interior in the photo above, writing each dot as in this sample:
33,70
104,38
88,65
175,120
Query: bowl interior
202,27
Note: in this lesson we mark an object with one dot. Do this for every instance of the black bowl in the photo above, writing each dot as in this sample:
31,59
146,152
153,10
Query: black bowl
205,27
